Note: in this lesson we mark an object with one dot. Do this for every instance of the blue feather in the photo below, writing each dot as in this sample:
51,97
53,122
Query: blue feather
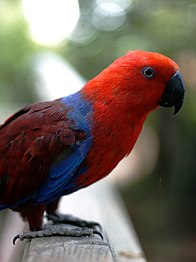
3,207
63,170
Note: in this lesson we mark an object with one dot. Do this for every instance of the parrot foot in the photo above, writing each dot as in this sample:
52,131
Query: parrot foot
58,218
58,230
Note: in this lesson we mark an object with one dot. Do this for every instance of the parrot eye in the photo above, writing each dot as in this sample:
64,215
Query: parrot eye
148,72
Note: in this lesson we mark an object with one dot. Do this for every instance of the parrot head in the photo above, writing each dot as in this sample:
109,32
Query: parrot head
155,78
141,81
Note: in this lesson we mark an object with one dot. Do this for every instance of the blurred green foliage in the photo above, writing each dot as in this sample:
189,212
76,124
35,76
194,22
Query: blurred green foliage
16,50
164,216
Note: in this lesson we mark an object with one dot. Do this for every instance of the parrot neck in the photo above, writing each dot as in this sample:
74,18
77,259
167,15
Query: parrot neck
112,118
113,102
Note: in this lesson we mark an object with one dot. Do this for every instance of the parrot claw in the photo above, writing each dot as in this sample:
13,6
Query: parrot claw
58,230
18,236
58,218
28,235
96,232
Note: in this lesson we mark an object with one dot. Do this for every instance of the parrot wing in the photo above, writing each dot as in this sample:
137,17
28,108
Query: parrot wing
60,174
41,147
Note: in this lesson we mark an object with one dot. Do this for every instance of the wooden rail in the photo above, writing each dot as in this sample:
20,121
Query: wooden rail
100,203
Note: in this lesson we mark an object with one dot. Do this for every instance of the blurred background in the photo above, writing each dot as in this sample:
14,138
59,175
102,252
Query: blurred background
49,48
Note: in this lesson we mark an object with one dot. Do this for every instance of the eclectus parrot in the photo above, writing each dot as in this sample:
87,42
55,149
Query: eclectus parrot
51,149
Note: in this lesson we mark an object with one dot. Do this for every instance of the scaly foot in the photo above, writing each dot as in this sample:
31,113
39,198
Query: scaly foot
58,230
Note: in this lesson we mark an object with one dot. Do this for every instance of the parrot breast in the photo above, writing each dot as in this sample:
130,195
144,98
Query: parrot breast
112,140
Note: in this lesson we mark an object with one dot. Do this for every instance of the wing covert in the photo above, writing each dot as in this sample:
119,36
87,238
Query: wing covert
41,148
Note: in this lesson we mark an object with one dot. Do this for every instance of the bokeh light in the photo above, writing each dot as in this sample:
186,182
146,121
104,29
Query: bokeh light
109,16
84,32
56,77
51,21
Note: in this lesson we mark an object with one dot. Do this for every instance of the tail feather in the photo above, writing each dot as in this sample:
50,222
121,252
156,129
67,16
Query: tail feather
3,207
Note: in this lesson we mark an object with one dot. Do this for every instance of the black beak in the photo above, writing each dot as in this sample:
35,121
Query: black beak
174,93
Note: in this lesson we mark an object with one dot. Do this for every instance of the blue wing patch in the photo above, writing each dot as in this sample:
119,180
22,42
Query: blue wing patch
63,170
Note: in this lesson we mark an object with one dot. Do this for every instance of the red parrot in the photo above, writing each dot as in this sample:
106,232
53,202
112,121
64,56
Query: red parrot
54,148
